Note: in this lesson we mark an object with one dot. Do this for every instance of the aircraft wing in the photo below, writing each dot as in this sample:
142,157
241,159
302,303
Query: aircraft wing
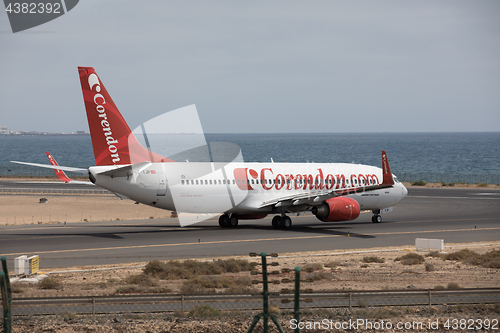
319,196
58,167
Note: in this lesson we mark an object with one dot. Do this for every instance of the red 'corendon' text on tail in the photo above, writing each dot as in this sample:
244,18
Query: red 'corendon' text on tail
112,139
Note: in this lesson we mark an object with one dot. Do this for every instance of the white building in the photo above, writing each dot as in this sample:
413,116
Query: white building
4,130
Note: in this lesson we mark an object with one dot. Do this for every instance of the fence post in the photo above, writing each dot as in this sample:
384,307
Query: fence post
265,296
6,297
296,312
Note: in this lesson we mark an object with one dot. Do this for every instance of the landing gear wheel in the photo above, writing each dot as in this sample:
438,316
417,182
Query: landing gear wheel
376,218
233,222
286,222
276,222
224,221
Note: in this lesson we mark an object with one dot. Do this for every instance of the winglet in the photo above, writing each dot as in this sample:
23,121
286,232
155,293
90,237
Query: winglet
386,170
59,173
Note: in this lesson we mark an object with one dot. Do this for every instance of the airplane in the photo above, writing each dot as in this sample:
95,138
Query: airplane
333,192
61,175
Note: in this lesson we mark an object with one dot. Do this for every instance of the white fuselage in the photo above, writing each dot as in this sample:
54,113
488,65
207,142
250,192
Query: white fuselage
246,188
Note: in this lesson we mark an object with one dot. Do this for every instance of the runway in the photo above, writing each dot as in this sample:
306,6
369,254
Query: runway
455,215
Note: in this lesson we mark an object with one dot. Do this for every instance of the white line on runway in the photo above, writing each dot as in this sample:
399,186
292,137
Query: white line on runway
433,197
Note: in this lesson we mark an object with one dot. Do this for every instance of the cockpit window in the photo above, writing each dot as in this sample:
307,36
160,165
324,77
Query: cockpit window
395,179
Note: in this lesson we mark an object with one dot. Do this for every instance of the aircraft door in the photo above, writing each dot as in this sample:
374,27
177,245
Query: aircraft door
162,184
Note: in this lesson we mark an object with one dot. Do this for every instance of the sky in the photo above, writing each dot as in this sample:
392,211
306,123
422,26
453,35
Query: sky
264,66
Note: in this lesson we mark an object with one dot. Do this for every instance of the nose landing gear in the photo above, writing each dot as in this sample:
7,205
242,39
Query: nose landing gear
376,218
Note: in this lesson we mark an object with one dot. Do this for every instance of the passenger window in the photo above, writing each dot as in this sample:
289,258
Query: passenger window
234,182
206,182
219,182
182,182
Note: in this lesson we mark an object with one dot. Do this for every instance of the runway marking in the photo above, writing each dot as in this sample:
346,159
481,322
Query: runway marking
248,241
433,197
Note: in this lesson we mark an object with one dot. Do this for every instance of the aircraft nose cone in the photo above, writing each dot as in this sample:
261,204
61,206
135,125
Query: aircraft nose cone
404,190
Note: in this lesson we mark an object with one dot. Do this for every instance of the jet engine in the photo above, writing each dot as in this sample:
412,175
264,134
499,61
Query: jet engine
337,209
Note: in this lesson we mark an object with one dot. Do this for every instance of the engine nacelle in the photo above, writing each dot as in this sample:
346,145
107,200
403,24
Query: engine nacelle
337,209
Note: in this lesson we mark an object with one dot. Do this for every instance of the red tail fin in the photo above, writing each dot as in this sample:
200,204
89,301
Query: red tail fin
59,173
112,139
386,170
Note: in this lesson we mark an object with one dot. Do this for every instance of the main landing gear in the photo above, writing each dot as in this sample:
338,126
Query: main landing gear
226,221
282,222
376,218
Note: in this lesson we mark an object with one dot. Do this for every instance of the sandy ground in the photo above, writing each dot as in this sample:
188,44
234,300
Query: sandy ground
27,209
349,273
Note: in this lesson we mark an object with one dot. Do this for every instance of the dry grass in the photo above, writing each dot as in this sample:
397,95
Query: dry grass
411,259
210,284
174,270
49,283
332,264
373,259
490,259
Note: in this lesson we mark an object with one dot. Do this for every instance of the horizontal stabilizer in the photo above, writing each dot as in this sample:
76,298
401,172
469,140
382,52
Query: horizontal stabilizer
124,171
54,167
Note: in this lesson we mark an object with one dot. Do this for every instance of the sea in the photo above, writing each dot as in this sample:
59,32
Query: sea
465,153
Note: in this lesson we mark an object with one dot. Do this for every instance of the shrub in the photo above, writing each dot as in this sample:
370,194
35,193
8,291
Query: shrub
434,254
312,267
439,287
460,255
208,284
482,185
373,259
429,267
411,259
365,266
16,288
204,311
234,265
332,264
49,283
154,268
453,285
140,279
418,183
174,270
490,259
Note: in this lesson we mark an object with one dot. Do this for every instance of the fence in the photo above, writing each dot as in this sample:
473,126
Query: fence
446,177
18,170
245,302
53,191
